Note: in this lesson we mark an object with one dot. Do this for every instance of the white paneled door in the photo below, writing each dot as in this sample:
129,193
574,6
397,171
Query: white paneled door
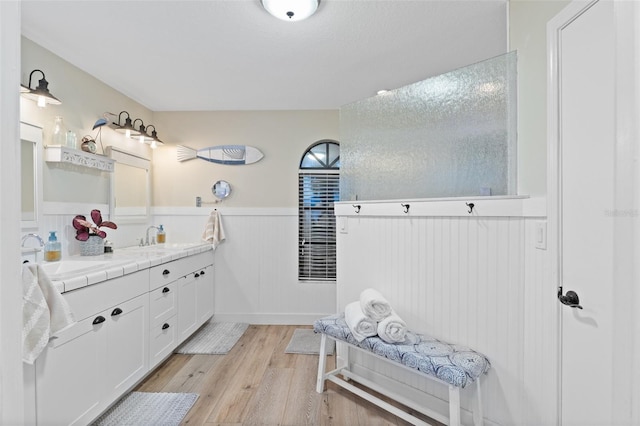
589,154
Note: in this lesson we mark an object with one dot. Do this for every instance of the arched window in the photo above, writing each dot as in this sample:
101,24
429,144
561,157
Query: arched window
318,189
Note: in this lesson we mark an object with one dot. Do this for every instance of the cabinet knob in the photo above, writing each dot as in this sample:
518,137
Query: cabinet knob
201,272
166,290
98,320
165,326
116,311
166,272
196,275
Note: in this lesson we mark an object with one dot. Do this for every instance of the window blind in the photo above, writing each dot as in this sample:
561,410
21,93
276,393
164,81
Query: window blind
317,191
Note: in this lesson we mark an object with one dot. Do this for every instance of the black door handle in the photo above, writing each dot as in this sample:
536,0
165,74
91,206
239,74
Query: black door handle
570,299
98,320
116,311
166,272
166,290
165,326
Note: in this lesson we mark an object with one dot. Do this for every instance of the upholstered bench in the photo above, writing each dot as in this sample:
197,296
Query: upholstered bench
452,365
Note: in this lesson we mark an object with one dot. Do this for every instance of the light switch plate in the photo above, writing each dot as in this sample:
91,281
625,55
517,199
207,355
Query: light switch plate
342,225
540,235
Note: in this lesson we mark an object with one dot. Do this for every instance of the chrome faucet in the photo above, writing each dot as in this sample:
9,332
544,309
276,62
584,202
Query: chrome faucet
146,240
32,235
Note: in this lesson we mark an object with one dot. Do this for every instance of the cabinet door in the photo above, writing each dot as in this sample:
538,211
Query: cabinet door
69,374
127,346
204,294
187,307
163,340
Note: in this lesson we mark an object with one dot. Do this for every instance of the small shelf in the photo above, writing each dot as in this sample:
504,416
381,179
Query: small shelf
63,154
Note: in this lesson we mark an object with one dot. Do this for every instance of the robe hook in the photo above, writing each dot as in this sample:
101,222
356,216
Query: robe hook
471,206
406,207
357,207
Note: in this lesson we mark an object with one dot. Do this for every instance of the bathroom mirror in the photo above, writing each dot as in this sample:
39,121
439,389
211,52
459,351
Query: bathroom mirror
130,187
221,189
31,174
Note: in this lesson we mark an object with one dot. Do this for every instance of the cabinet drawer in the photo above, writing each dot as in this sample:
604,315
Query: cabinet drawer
86,301
171,271
164,302
163,340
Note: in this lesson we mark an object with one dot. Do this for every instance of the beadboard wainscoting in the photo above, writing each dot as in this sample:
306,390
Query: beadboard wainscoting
476,279
256,266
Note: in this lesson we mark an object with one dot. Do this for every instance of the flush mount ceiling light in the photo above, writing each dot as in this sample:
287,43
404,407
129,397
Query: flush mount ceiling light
41,93
126,128
291,10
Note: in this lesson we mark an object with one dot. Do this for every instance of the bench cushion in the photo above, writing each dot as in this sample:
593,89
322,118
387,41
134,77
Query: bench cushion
453,364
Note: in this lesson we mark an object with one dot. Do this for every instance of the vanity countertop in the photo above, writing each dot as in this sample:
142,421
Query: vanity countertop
74,272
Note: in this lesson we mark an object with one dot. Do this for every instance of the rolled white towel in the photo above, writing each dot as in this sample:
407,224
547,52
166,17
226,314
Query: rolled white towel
374,305
360,325
392,329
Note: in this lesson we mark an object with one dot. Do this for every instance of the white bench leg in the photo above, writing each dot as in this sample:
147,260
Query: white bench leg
322,359
347,363
478,415
454,406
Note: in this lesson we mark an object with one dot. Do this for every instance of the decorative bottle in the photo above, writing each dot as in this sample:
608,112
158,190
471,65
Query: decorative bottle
53,248
161,237
59,134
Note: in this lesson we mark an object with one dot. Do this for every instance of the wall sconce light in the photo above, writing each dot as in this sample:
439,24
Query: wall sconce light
143,137
155,141
126,128
291,10
40,94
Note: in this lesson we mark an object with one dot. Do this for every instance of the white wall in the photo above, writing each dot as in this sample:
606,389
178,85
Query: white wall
527,34
256,266
11,387
476,280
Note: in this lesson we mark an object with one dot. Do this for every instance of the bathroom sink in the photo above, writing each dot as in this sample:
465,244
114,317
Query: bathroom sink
68,268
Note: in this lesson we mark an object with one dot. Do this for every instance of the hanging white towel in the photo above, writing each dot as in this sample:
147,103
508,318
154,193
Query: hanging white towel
361,326
213,231
44,312
392,329
374,305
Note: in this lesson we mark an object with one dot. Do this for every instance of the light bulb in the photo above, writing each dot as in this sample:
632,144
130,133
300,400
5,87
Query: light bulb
154,145
127,134
42,102
141,139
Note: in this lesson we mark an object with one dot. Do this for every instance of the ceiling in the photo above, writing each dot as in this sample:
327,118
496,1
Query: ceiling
212,55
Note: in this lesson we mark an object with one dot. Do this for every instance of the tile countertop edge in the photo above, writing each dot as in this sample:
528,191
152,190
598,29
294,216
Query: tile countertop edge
120,266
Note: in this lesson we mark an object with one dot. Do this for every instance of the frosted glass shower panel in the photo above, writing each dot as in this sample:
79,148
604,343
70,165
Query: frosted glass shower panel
448,136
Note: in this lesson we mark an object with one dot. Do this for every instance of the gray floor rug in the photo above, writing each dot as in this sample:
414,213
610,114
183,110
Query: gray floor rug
214,338
148,408
306,341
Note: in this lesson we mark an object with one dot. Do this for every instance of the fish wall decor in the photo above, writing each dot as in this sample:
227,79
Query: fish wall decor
235,155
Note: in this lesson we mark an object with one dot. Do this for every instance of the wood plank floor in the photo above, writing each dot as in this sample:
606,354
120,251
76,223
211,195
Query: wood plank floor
257,383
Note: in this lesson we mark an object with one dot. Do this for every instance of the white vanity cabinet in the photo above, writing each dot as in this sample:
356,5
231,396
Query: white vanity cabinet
125,327
91,364
68,374
181,301
204,294
163,337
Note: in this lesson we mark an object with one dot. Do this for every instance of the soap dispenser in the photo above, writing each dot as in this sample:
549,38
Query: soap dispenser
161,236
53,248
